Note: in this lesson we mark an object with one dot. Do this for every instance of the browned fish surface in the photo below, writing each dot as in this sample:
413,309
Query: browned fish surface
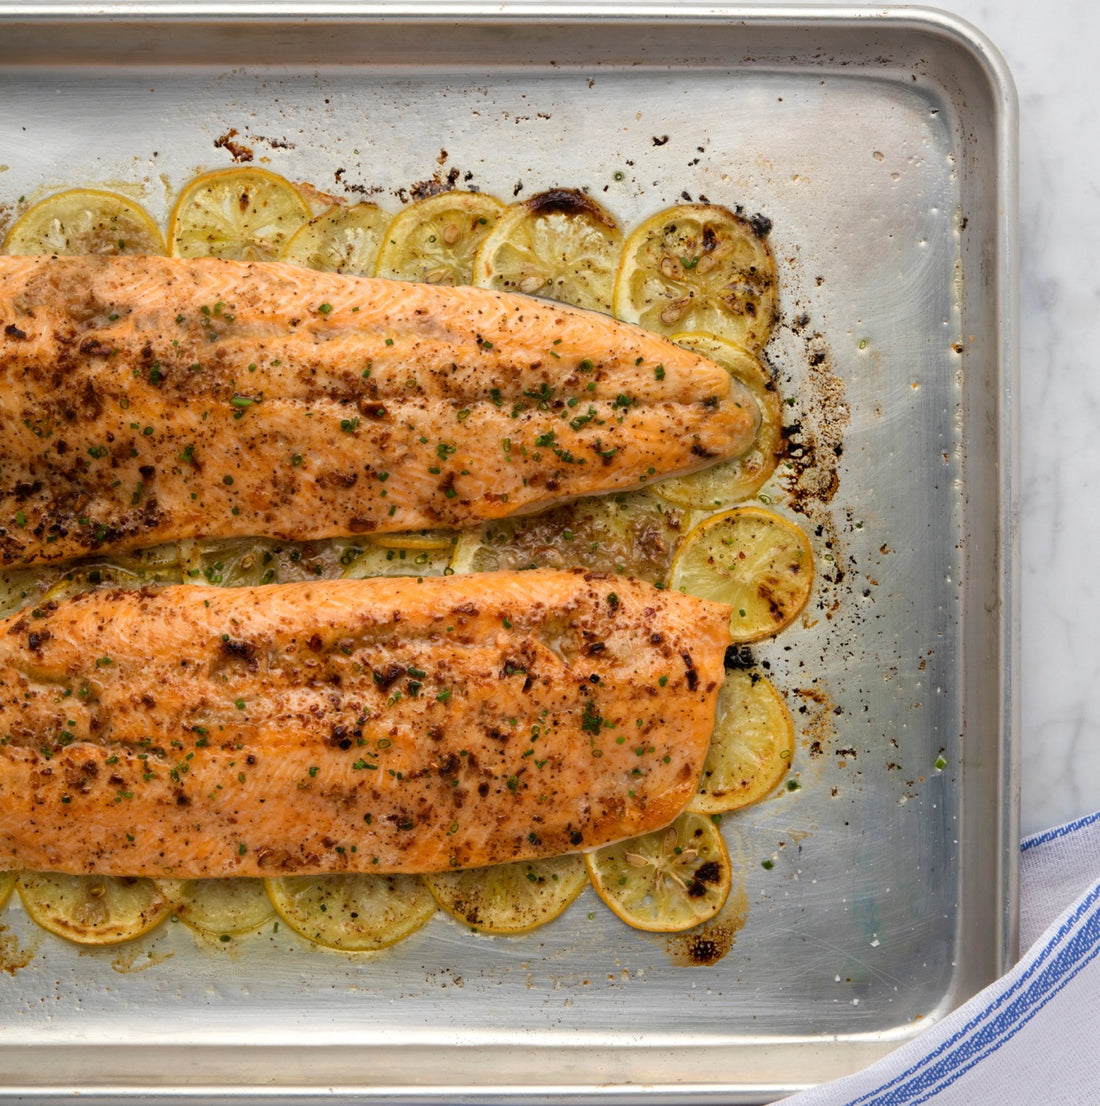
152,399
354,725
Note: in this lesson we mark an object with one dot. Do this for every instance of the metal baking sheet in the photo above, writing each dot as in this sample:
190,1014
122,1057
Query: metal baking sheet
881,146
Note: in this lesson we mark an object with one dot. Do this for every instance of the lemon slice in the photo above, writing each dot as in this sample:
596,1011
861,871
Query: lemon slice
357,913
7,882
248,562
340,240
429,541
559,244
21,587
510,899
385,560
418,553
630,532
755,561
222,907
137,569
93,910
751,748
731,481
668,880
241,214
434,240
233,562
84,221
699,267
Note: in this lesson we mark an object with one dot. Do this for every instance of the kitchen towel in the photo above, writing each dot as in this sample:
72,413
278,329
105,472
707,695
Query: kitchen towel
1034,1035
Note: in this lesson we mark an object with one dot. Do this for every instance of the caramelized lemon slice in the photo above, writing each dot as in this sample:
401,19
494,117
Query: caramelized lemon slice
84,221
222,907
510,899
731,481
241,214
559,244
755,561
357,913
340,240
751,748
93,910
668,880
435,239
699,267
7,882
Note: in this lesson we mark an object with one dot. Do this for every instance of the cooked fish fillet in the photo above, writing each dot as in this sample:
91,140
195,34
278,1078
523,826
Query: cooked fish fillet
351,725
150,399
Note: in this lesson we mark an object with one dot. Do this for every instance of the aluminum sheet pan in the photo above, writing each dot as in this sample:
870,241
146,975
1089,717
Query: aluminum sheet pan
881,145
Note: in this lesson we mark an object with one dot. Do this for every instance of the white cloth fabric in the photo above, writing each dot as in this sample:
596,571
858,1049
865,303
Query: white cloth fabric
1033,1037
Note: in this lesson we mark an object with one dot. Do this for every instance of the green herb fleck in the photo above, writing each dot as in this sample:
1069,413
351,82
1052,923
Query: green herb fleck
591,722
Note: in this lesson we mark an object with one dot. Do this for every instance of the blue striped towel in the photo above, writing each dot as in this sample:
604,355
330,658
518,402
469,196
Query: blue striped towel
1033,1037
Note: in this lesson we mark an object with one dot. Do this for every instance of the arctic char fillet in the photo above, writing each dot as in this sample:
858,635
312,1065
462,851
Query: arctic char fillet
148,399
382,725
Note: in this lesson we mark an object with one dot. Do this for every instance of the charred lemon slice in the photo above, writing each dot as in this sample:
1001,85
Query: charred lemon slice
510,899
93,910
84,221
357,913
340,240
751,748
559,244
7,882
435,239
731,481
241,214
222,907
668,880
755,561
699,267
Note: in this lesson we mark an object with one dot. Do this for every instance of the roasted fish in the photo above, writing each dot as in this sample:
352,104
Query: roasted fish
147,399
351,725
